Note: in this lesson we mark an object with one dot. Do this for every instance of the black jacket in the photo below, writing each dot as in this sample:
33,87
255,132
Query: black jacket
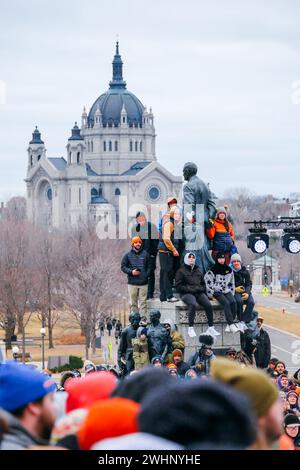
182,368
136,260
189,281
149,236
263,349
242,278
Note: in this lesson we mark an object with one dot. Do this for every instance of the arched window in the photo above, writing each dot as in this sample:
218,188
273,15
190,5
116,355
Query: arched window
78,158
70,157
89,148
104,146
110,145
136,146
94,192
141,146
116,145
117,192
31,160
39,157
92,146
131,146
124,119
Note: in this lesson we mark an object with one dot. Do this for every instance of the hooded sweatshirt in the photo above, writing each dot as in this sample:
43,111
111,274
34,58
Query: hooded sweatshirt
18,437
189,279
219,280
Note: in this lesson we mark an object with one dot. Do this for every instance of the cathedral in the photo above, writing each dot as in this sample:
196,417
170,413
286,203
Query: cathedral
111,154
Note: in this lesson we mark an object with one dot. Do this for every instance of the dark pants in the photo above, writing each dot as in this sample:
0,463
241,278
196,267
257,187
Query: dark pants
192,300
229,305
166,276
151,279
246,315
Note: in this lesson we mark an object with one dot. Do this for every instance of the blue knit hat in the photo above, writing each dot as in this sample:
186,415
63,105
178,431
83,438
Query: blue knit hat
20,385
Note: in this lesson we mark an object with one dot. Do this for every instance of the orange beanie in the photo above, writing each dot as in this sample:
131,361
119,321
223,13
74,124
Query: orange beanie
108,418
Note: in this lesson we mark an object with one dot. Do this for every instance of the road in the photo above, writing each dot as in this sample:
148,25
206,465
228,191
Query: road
286,347
278,301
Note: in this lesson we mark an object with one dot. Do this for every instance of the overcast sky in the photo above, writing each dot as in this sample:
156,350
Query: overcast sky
218,74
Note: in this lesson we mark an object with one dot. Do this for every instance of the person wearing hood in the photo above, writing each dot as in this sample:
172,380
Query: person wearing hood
140,349
292,401
192,289
263,348
283,383
219,282
156,362
136,265
291,427
221,233
202,359
27,397
176,338
169,251
243,287
177,359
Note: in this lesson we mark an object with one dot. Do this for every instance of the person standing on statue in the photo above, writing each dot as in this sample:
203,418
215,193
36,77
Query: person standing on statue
197,197
159,341
169,252
149,236
125,350
136,265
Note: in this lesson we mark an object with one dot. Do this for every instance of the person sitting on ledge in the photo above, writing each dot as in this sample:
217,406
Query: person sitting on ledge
220,284
243,286
220,231
192,289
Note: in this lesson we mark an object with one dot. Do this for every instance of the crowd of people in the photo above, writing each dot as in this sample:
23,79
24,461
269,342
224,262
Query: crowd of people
157,407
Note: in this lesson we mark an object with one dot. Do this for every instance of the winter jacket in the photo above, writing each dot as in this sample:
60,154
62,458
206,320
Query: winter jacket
201,363
263,349
18,437
136,260
242,278
222,239
149,236
219,280
182,368
177,340
189,281
167,241
140,353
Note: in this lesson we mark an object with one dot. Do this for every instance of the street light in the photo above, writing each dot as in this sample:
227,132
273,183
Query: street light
43,334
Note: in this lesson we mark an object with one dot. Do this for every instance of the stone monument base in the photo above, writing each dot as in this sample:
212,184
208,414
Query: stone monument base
177,313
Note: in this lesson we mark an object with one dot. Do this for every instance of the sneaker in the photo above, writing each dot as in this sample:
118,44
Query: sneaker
172,299
212,331
227,329
240,326
191,332
233,328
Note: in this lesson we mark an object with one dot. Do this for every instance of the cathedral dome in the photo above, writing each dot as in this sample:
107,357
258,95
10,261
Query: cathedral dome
117,99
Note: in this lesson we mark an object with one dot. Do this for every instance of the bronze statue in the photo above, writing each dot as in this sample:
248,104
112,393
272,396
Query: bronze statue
159,342
125,350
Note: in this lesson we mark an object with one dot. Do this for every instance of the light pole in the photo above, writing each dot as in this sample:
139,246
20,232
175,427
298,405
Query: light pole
43,334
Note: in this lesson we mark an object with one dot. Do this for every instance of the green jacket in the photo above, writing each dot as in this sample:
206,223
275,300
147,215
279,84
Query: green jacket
140,353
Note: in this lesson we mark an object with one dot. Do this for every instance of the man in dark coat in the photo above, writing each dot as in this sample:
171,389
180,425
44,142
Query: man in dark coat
150,238
201,360
197,195
136,265
263,347
125,350
159,341
243,287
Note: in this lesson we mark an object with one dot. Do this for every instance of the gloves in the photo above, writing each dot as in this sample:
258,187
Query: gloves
210,223
245,296
240,290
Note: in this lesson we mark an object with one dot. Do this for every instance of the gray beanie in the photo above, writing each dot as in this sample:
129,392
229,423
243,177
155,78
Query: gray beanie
221,209
236,257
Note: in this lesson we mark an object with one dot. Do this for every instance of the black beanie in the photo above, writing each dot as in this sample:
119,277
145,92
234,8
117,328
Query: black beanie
197,412
291,419
207,340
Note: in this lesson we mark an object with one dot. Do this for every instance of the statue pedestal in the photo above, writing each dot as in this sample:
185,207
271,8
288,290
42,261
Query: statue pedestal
177,313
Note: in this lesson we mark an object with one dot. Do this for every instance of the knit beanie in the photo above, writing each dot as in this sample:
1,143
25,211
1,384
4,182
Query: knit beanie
177,352
291,418
221,210
93,387
135,240
255,384
108,418
21,385
206,412
236,257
